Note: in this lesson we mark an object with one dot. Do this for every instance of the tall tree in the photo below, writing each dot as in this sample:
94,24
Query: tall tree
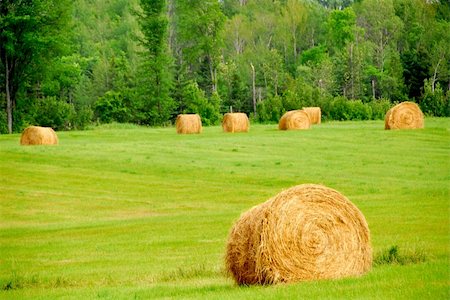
200,27
32,32
157,105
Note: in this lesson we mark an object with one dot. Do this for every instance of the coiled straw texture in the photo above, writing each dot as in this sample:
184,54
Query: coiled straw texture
188,123
294,119
36,135
314,113
307,232
406,115
235,122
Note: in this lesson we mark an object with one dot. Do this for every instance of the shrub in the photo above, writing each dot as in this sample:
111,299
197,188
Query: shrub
435,103
82,117
51,112
3,122
197,103
270,110
111,107
379,108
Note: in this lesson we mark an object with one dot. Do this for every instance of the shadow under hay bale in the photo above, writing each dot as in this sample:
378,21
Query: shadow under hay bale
188,123
314,113
36,135
406,115
307,232
294,119
235,122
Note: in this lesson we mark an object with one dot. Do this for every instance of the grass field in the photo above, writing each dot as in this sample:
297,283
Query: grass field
124,212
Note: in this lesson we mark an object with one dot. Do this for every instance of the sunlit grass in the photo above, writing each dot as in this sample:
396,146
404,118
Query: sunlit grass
123,211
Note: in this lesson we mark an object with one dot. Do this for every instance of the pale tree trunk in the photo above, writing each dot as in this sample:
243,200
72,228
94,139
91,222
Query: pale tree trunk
9,104
254,89
213,73
352,81
373,88
433,83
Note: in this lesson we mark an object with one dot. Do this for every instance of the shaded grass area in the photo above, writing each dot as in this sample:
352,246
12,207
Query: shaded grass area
127,211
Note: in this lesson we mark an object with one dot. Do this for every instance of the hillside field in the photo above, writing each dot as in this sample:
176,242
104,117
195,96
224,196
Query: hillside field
122,211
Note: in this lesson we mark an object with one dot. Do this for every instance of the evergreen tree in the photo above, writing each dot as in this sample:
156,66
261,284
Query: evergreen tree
156,79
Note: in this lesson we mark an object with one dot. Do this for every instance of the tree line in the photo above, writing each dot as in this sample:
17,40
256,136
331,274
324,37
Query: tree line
68,64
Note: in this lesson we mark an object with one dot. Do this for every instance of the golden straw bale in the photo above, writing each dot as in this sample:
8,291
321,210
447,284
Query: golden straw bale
406,115
36,135
308,232
314,113
294,119
188,123
235,122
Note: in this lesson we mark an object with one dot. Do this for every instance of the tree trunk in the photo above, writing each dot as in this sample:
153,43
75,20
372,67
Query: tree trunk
373,88
9,101
254,89
433,83
212,71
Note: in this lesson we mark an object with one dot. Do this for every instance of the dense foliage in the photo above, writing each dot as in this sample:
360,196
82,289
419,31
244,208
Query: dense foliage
66,64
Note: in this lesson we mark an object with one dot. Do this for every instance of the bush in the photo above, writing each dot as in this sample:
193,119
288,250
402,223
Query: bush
51,112
270,110
435,103
196,102
342,109
379,108
3,122
82,117
111,108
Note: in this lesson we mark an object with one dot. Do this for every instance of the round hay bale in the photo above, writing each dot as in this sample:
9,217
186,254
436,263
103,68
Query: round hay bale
307,232
314,113
36,135
188,123
294,119
406,115
235,122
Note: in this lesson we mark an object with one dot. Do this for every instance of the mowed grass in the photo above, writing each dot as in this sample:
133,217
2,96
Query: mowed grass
125,212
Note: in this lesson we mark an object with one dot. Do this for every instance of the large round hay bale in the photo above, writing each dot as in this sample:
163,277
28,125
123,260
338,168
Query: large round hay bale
36,135
314,113
294,119
307,232
188,123
235,122
406,115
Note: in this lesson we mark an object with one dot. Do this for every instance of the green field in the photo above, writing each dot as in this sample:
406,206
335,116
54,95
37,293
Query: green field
122,211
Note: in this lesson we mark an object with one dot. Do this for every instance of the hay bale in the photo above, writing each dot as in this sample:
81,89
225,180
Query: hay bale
294,119
36,135
188,123
307,232
406,115
314,113
235,122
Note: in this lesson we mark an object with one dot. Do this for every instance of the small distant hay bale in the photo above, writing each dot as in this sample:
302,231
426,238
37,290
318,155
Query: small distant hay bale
294,119
314,113
36,135
235,122
406,115
308,232
188,123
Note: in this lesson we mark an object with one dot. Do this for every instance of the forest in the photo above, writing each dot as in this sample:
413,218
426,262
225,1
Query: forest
68,64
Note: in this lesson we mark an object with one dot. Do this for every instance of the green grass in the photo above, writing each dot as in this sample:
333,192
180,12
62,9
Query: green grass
133,212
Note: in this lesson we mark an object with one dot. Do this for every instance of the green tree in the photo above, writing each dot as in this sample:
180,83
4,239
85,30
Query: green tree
382,29
156,79
32,33
199,39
